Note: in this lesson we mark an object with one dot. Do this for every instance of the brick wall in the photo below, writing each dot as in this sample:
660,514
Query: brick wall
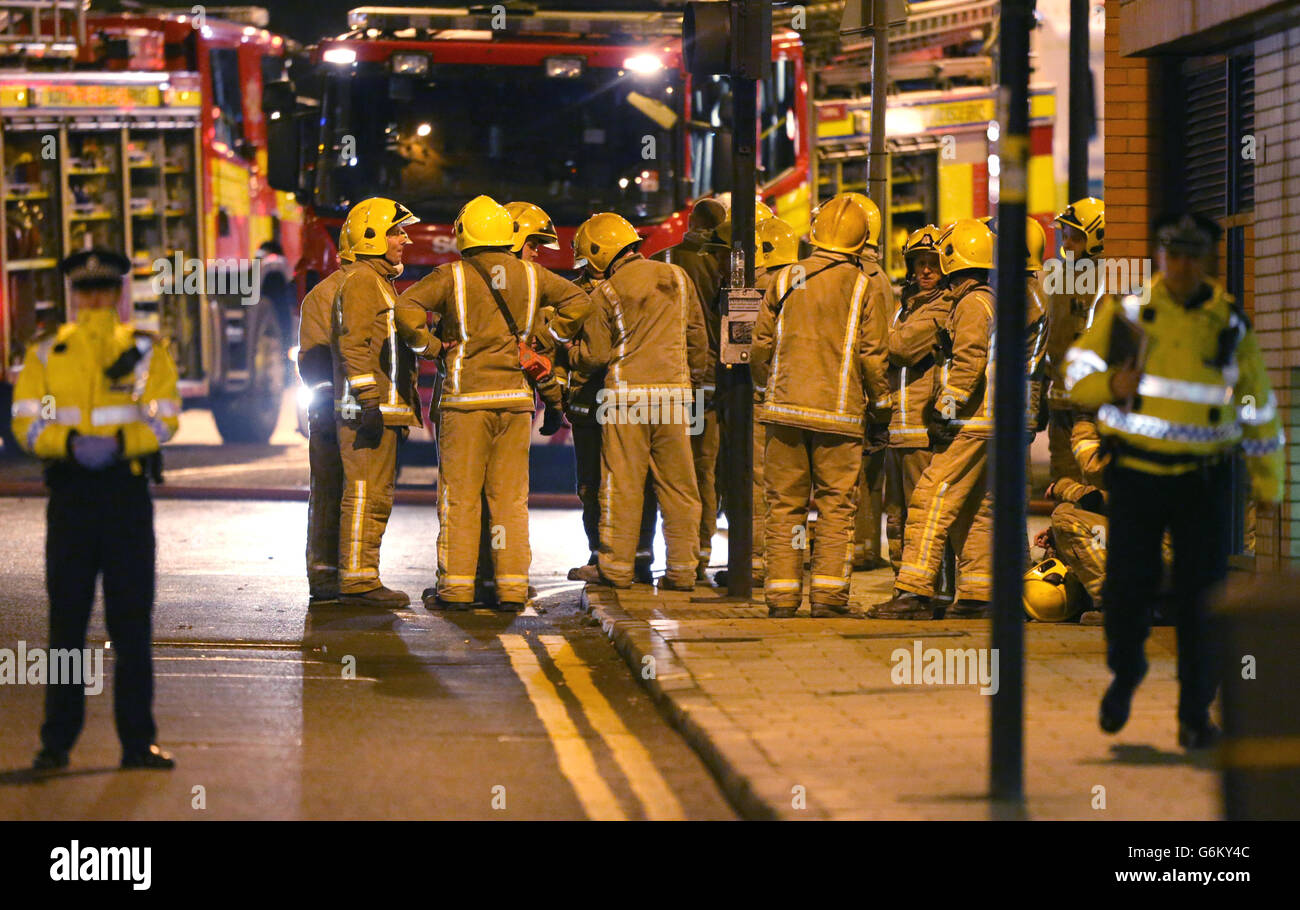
1127,145
1276,263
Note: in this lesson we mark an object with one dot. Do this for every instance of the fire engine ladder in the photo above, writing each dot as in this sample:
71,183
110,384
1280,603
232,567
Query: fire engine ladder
48,26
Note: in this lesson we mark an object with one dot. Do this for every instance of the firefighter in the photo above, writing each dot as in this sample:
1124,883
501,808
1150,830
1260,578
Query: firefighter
378,402
776,246
316,371
820,354
707,445
867,552
1079,526
487,302
581,390
648,329
95,401
951,500
1083,231
913,335
534,230
1178,383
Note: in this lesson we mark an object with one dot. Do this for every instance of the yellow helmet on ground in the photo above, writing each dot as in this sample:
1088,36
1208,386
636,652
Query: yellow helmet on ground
484,222
601,238
922,240
840,226
1036,240
345,245
369,222
968,244
873,216
531,223
1046,594
1087,215
778,244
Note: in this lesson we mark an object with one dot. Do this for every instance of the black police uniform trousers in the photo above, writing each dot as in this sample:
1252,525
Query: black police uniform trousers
101,523
1196,507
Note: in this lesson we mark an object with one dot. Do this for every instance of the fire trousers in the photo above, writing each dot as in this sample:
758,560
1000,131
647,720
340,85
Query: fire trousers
951,504
704,450
483,455
369,471
1196,507
628,450
586,456
866,524
324,501
824,466
1080,538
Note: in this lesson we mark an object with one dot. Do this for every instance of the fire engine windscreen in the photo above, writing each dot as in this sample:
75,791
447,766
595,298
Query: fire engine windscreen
574,145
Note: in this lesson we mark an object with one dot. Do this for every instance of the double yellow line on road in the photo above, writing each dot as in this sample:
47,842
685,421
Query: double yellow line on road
575,757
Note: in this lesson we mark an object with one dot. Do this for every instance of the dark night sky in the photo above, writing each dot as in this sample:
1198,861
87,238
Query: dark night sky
310,20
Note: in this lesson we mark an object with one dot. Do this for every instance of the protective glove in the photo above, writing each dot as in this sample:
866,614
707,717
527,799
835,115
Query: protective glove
552,420
94,453
877,437
370,425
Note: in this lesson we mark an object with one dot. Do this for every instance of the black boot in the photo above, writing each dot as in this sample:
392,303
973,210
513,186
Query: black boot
904,605
1115,704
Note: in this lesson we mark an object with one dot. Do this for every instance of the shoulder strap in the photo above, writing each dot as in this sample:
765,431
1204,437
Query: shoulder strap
496,295
791,289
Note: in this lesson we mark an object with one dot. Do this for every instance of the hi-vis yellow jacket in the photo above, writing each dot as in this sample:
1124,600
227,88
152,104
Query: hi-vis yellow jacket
63,387
1203,388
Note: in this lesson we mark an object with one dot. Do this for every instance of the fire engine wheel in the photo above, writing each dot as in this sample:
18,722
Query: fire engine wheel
250,416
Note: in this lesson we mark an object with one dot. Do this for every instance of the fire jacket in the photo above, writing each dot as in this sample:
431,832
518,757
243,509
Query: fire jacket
820,346
315,332
1068,317
647,328
964,381
1203,388
912,362
705,273
483,371
97,376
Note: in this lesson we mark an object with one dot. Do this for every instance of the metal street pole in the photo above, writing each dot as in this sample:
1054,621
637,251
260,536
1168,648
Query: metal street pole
1006,765
877,154
1080,99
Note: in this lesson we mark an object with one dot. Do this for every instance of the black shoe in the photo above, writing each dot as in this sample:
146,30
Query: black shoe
781,612
641,573
153,758
50,760
969,609
509,606
433,602
1091,618
1199,736
666,585
904,605
381,597
1115,705
832,611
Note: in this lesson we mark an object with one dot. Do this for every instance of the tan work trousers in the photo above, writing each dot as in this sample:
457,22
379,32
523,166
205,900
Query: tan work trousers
704,451
483,457
324,500
627,451
951,504
1080,538
369,473
824,466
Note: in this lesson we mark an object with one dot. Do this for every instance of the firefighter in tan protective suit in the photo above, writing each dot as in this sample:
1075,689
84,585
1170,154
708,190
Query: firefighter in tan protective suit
485,414
820,354
1079,524
952,500
648,328
377,403
913,336
1083,230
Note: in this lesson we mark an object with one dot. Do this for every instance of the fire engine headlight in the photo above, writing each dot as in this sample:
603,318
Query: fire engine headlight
340,56
564,67
643,64
412,64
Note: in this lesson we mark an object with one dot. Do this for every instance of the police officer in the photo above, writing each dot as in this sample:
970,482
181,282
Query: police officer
378,402
1178,383
95,401
820,353
315,369
648,330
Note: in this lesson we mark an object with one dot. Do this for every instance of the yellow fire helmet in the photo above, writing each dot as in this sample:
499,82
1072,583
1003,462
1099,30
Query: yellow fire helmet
601,238
840,226
873,216
345,245
580,243
968,244
1087,215
1046,594
778,244
531,223
484,222
369,223
1036,240
922,240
